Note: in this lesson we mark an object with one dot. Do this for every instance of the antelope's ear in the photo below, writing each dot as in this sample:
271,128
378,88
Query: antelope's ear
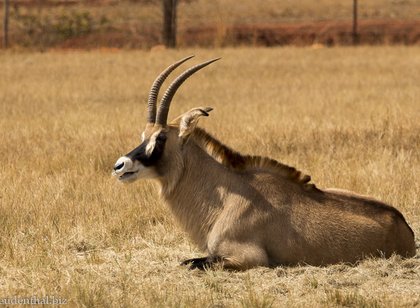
188,121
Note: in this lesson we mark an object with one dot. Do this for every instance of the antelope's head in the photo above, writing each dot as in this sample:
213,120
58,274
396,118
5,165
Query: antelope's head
161,144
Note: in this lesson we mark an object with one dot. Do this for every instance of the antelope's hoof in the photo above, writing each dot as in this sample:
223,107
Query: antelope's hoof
197,263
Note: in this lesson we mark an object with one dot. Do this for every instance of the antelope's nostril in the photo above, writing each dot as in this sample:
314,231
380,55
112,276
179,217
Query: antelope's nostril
118,166
123,164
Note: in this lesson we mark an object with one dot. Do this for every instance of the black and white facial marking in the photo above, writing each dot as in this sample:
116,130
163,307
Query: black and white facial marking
149,151
139,162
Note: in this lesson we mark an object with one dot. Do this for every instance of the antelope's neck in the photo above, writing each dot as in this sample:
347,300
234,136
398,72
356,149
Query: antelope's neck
196,199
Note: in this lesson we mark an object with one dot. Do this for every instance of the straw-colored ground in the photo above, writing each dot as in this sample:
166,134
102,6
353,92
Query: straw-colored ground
349,117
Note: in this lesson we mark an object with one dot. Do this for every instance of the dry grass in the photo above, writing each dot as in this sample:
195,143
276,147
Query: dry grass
349,117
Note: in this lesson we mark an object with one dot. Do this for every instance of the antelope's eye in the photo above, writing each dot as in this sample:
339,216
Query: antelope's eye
161,137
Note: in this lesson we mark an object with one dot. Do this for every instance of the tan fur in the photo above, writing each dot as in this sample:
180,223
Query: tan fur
254,211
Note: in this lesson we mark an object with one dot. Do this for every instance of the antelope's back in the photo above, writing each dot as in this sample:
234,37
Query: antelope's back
322,227
397,236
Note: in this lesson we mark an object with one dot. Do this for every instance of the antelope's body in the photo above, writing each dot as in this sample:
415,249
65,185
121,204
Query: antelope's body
247,211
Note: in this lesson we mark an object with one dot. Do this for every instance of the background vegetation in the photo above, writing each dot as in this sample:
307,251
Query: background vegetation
138,24
347,116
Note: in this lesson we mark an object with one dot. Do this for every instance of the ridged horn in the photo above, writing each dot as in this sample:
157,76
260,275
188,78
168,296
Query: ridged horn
165,103
154,90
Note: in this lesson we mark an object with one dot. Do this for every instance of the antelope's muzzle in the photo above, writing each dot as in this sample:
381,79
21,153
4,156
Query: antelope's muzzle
124,169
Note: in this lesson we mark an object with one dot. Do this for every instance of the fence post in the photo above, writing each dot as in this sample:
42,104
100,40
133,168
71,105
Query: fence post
169,23
5,23
355,33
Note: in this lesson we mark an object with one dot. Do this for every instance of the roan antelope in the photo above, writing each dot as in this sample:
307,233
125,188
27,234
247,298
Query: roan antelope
246,211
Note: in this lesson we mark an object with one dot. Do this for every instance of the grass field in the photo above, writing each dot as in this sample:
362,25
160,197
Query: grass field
349,117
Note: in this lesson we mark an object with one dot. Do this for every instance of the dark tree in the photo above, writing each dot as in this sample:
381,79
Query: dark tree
355,32
6,24
169,23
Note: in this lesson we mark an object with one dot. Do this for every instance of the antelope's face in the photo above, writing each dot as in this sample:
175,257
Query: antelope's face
160,143
143,161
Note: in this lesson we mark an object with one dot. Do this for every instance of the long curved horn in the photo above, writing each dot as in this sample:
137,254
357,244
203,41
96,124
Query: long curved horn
154,90
162,115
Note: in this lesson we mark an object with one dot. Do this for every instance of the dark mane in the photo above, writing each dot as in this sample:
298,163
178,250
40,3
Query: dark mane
236,161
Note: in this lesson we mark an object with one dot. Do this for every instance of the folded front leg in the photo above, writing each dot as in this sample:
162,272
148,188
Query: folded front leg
240,256
236,256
